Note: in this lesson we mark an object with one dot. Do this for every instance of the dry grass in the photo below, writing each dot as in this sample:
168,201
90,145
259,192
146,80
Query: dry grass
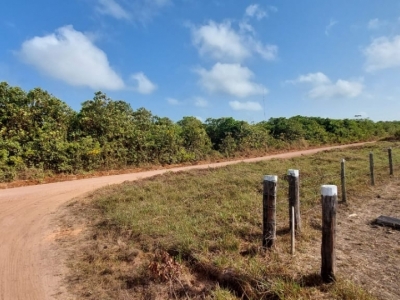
197,235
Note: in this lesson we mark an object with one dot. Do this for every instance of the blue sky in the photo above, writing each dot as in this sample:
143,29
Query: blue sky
251,60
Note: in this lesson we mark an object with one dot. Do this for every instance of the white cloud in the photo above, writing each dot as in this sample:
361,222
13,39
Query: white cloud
323,87
144,85
200,102
219,41
314,78
373,24
245,27
376,24
173,101
273,8
145,10
383,53
138,10
268,52
112,8
342,88
329,26
249,105
254,10
70,56
223,43
232,79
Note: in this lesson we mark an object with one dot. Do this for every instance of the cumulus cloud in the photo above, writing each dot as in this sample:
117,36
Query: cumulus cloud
255,11
173,101
219,41
112,8
224,43
245,27
145,10
376,24
249,105
342,88
314,78
200,102
323,87
268,52
330,26
143,84
137,10
382,53
232,79
70,56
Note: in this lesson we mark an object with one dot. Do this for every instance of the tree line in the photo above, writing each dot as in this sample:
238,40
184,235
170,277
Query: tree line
40,133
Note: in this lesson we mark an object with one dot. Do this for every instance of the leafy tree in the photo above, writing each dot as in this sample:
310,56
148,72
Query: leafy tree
111,124
254,137
195,139
287,129
219,129
40,132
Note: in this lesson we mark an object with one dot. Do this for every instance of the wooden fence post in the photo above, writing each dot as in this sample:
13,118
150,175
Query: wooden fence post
328,255
343,180
390,161
294,199
269,211
371,167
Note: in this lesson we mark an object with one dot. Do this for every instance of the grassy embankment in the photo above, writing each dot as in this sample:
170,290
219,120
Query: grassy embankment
197,234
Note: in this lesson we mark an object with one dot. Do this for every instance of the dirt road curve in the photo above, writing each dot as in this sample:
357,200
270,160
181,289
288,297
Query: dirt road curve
28,267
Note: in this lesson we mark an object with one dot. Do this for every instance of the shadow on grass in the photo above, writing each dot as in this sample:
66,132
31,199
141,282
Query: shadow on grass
283,231
311,280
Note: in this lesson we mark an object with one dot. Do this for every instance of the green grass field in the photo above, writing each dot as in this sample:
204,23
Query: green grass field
197,234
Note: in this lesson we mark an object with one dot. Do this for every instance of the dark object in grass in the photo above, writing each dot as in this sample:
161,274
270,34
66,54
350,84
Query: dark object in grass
371,168
269,211
388,221
390,161
328,246
294,199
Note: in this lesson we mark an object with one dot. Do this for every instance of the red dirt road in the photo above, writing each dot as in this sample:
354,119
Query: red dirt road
29,268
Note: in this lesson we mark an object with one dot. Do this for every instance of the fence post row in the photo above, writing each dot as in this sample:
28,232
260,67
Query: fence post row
328,255
294,199
329,207
269,210
343,180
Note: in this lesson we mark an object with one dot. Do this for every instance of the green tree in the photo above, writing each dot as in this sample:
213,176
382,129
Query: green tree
219,129
195,139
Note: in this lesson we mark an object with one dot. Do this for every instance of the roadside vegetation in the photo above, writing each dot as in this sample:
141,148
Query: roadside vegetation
41,136
197,234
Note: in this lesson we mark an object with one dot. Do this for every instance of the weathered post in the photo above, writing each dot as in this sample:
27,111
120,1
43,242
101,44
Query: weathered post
294,199
390,161
371,167
329,201
293,238
269,211
343,180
